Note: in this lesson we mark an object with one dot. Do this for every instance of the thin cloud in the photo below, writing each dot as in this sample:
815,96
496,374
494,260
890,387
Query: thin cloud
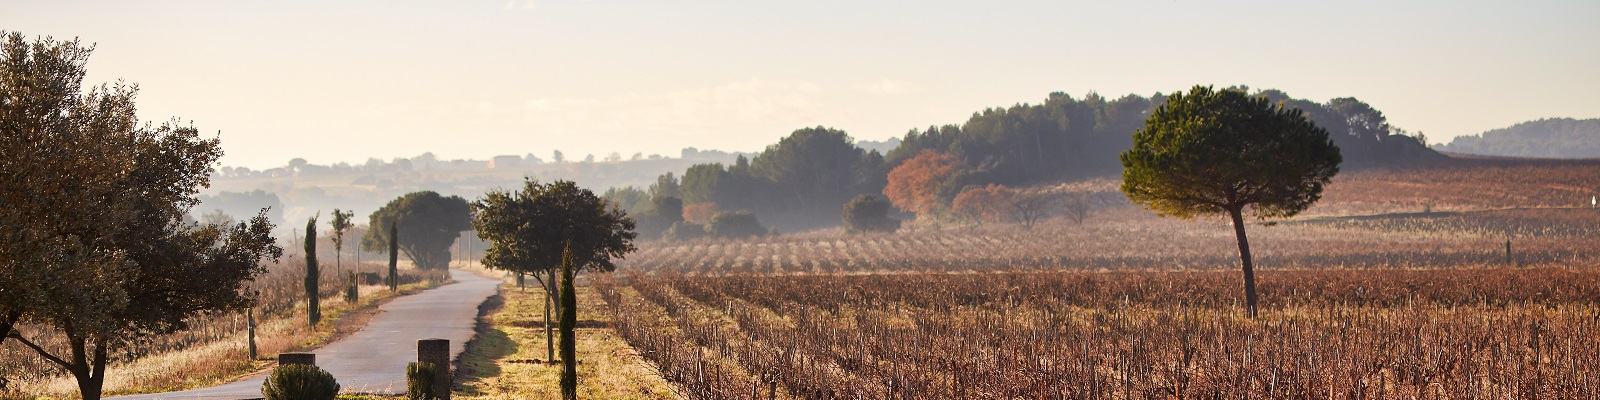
887,87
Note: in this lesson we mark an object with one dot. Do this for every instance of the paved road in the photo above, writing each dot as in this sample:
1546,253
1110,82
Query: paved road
374,359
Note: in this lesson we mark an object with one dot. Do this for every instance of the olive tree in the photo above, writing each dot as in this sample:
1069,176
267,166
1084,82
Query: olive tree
1210,152
529,230
93,243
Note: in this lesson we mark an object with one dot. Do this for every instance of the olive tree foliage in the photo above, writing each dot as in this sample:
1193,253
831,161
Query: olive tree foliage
1210,152
93,243
528,230
429,222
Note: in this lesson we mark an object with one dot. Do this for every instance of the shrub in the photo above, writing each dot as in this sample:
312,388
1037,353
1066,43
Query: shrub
419,381
352,293
684,230
735,225
299,382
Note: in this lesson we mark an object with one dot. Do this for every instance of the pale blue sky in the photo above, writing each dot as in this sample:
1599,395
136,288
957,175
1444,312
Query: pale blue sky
335,81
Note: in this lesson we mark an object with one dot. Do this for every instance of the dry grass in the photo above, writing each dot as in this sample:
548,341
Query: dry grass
507,358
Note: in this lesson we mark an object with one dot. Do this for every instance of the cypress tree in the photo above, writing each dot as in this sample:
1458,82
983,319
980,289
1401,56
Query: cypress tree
394,255
313,312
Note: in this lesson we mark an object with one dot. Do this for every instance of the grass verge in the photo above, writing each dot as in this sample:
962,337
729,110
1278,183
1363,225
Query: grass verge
508,357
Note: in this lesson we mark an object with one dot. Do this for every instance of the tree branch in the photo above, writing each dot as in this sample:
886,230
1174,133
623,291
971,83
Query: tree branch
42,353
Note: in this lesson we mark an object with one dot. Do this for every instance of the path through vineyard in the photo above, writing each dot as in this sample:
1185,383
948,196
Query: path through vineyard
374,359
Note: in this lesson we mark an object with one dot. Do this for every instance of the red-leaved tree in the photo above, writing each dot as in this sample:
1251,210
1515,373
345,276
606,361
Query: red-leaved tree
701,212
914,185
992,203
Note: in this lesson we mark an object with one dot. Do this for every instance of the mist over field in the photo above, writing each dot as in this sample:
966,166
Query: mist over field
816,200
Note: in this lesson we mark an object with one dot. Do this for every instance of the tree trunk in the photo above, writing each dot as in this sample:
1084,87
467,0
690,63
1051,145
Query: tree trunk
87,369
1244,261
9,321
569,336
549,340
553,287
250,324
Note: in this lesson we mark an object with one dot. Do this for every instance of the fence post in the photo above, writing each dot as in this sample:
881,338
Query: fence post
437,352
250,325
1508,252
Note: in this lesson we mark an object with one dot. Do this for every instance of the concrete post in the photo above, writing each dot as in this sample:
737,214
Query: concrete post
437,352
297,358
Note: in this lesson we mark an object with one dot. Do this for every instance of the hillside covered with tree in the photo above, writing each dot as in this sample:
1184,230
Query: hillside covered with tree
803,181
1545,138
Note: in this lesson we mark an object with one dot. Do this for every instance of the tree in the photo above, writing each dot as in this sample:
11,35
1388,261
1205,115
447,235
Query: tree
1077,205
984,204
735,225
700,213
94,243
341,224
432,222
313,312
684,231
868,213
816,170
914,185
1213,152
529,231
1028,207
394,256
629,199
666,186
664,211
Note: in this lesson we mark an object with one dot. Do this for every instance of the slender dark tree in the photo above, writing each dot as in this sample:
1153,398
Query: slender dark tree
394,256
1212,152
569,324
313,311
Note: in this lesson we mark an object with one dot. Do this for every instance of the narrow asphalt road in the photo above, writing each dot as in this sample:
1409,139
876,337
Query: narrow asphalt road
374,359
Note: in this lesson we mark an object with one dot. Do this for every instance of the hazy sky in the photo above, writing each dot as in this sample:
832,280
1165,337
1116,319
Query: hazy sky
336,81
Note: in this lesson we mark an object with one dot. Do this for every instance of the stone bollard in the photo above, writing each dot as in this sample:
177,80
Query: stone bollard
437,352
297,359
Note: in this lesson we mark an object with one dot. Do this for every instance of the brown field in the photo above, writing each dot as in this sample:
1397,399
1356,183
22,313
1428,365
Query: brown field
1397,285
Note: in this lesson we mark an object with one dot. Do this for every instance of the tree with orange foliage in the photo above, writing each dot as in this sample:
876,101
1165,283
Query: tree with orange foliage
991,203
914,185
701,212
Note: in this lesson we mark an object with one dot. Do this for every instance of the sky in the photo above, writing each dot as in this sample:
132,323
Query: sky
345,81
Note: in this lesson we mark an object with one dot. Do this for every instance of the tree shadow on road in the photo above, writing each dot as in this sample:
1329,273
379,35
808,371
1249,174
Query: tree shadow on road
477,361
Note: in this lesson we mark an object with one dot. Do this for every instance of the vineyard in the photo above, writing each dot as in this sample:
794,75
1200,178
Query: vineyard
1504,333
1125,237
1424,283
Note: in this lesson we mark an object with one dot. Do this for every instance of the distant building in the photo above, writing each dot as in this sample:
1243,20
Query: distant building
503,162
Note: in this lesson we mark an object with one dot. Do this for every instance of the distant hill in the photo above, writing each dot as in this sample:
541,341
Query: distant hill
1545,138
